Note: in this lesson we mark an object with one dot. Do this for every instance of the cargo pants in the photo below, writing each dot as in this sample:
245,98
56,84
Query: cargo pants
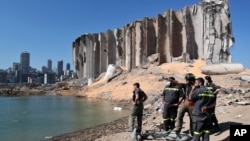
183,108
136,113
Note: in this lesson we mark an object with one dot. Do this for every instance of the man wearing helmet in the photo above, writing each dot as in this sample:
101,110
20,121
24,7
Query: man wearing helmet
186,104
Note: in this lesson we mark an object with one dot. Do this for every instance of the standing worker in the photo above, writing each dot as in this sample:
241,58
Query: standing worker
204,100
137,110
215,89
170,99
186,105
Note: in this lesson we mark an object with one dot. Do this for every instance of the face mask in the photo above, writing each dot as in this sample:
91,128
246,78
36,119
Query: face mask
168,83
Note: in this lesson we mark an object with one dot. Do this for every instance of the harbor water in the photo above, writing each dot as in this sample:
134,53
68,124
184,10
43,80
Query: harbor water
36,118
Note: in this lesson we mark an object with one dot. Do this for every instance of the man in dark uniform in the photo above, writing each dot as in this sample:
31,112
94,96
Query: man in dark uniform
204,100
137,110
170,99
186,105
211,86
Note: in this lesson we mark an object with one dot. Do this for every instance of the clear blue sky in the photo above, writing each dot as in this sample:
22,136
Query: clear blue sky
47,28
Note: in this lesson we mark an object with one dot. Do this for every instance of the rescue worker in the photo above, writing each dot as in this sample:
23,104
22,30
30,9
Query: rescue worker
137,109
215,89
204,100
186,105
170,99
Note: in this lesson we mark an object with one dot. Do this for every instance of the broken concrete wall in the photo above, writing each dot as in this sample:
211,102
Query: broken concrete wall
202,31
103,52
118,45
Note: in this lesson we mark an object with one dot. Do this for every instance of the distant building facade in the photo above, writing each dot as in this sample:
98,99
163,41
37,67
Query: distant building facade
3,76
25,66
25,62
18,76
16,66
68,66
44,69
49,65
60,68
49,78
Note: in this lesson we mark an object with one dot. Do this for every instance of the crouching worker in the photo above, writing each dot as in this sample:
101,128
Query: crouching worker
137,109
204,101
170,98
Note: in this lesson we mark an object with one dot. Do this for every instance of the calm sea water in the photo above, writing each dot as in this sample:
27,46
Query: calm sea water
36,118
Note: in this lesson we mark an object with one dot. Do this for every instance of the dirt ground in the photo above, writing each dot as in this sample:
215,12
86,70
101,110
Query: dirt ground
229,110
227,115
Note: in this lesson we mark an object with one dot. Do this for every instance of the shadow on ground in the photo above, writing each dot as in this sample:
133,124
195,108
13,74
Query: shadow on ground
224,127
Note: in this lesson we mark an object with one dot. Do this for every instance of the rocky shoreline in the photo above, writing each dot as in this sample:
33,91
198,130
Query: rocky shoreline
27,89
21,92
93,133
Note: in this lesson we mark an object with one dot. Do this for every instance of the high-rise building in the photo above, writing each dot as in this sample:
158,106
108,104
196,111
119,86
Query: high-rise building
25,62
44,69
60,68
68,66
3,76
49,65
16,66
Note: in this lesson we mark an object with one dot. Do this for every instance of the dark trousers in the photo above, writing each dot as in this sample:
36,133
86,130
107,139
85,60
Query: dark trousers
136,112
201,125
169,115
214,119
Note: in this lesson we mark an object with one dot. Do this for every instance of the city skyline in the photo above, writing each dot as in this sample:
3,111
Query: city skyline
25,59
23,72
47,29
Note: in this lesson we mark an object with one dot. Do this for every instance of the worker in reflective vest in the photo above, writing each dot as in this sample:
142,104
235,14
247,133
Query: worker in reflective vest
204,100
211,86
170,98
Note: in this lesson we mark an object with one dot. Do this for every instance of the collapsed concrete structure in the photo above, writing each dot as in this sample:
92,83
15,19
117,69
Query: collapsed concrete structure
202,30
